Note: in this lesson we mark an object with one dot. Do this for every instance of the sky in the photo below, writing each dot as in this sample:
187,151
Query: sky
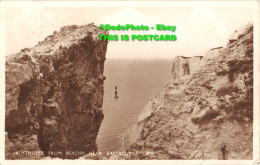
199,28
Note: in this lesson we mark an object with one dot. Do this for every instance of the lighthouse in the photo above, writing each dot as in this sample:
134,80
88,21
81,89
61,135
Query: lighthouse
116,96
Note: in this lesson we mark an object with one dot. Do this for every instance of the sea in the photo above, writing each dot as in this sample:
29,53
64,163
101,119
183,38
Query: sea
137,81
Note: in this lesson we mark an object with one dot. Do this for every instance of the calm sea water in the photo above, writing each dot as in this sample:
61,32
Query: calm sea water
138,81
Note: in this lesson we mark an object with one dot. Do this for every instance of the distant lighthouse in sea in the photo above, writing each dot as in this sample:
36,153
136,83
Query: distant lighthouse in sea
116,96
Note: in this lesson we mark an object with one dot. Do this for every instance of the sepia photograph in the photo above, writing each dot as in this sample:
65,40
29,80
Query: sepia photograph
96,81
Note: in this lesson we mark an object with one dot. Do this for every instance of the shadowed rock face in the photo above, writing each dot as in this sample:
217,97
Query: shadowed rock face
207,115
55,91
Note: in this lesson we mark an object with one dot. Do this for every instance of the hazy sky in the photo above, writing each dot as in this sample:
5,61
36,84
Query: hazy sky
198,28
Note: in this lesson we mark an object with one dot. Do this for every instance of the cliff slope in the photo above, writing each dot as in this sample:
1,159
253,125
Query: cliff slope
54,94
206,114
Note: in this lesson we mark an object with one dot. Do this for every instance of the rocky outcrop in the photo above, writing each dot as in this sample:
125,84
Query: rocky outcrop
207,115
183,66
54,93
239,33
212,53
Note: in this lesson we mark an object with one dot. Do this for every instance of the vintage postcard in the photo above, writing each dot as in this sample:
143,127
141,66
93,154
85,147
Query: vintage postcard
129,82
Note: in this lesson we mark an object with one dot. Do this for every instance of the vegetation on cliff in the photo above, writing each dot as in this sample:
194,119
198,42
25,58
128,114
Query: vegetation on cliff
204,115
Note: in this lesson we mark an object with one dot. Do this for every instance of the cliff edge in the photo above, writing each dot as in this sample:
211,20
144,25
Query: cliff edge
54,95
205,111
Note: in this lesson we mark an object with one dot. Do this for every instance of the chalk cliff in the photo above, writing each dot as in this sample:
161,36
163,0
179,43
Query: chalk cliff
205,111
54,94
183,66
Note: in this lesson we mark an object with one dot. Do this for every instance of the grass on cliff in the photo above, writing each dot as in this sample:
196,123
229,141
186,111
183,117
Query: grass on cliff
227,90
241,66
237,66
241,110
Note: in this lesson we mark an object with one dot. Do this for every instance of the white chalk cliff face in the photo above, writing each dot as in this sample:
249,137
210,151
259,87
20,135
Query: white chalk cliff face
183,66
205,111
